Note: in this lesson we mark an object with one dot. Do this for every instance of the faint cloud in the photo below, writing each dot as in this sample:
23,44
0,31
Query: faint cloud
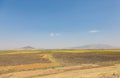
93,31
57,34
54,34
51,34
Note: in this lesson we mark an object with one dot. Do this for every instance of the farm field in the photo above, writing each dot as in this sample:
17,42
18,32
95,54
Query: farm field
12,62
59,63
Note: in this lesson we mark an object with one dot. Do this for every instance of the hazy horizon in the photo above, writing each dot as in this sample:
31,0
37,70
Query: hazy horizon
58,23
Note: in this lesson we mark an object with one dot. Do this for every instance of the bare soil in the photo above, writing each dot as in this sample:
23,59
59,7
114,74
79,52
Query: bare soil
100,58
20,59
74,72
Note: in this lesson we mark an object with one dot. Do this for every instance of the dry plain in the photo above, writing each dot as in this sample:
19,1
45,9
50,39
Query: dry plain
60,64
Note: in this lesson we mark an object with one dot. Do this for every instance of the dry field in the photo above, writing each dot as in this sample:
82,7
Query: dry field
102,59
13,62
60,64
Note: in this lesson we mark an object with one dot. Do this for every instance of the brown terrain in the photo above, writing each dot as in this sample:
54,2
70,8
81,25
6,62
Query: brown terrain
60,65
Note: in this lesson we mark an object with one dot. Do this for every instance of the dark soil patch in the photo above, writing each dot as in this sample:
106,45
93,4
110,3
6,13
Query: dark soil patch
104,59
20,59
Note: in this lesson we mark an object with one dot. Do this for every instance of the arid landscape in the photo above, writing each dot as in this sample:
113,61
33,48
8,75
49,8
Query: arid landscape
60,64
59,38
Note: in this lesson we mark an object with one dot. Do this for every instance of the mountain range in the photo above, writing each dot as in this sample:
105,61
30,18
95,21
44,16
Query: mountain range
90,46
27,48
94,46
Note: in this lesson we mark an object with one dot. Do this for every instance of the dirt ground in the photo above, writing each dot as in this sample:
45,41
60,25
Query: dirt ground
102,72
68,72
60,65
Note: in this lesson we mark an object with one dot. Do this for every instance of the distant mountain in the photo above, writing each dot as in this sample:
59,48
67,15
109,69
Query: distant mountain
27,48
95,46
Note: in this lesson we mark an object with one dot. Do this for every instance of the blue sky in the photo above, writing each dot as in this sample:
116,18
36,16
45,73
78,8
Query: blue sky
59,23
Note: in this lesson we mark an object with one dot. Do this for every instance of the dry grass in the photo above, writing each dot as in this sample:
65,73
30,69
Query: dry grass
100,58
25,61
84,51
19,60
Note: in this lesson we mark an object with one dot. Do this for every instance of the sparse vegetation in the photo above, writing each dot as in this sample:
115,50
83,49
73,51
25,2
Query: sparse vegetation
12,62
21,60
103,59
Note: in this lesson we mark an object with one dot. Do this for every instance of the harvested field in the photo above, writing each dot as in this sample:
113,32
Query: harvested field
49,61
25,61
20,59
103,59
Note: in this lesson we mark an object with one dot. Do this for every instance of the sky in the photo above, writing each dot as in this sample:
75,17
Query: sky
59,23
